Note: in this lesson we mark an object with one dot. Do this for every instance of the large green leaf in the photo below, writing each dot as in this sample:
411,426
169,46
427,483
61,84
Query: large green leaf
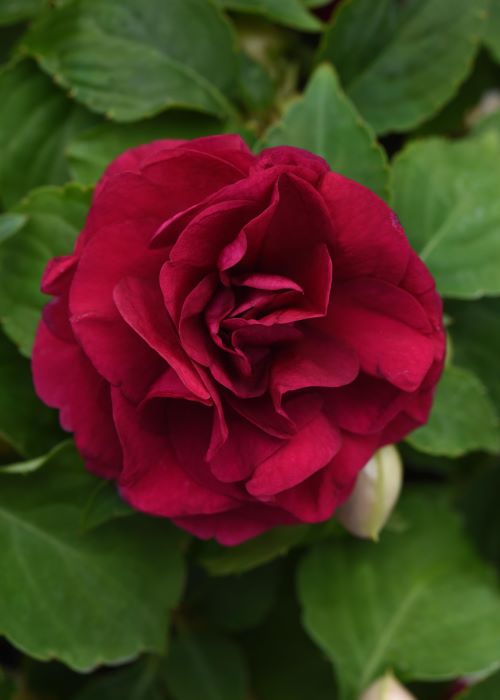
475,330
325,122
34,130
54,217
91,152
135,58
83,598
463,418
447,196
205,665
419,601
25,423
401,61
291,13
12,11
492,29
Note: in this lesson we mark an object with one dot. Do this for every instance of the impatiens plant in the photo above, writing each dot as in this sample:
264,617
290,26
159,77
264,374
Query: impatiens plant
249,342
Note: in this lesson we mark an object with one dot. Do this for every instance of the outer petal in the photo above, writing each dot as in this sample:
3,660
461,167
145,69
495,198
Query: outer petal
368,239
388,329
66,380
236,526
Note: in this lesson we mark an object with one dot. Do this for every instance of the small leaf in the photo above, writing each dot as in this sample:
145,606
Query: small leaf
135,58
463,419
291,13
401,61
83,598
447,196
34,131
54,218
325,122
205,665
419,601
92,151
475,331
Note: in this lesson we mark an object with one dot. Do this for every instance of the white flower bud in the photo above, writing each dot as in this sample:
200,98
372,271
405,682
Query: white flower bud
387,688
377,489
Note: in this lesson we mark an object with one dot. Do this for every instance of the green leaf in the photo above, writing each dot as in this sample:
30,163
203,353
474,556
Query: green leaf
12,11
447,196
401,61
291,13
135,58
492,29
205,665
463,418
25,423
136,682
325,122
92,151
489,689
223,561
475,330
54,218
419,601
83,598
34,131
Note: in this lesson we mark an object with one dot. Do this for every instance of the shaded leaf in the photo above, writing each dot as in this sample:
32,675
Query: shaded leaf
25,423
136,682
475,330
223,561
205,665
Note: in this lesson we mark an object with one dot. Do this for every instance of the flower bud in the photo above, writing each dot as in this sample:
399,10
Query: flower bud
387,688
377,489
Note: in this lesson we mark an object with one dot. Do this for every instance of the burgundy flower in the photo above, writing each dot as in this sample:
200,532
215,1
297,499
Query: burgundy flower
235,335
